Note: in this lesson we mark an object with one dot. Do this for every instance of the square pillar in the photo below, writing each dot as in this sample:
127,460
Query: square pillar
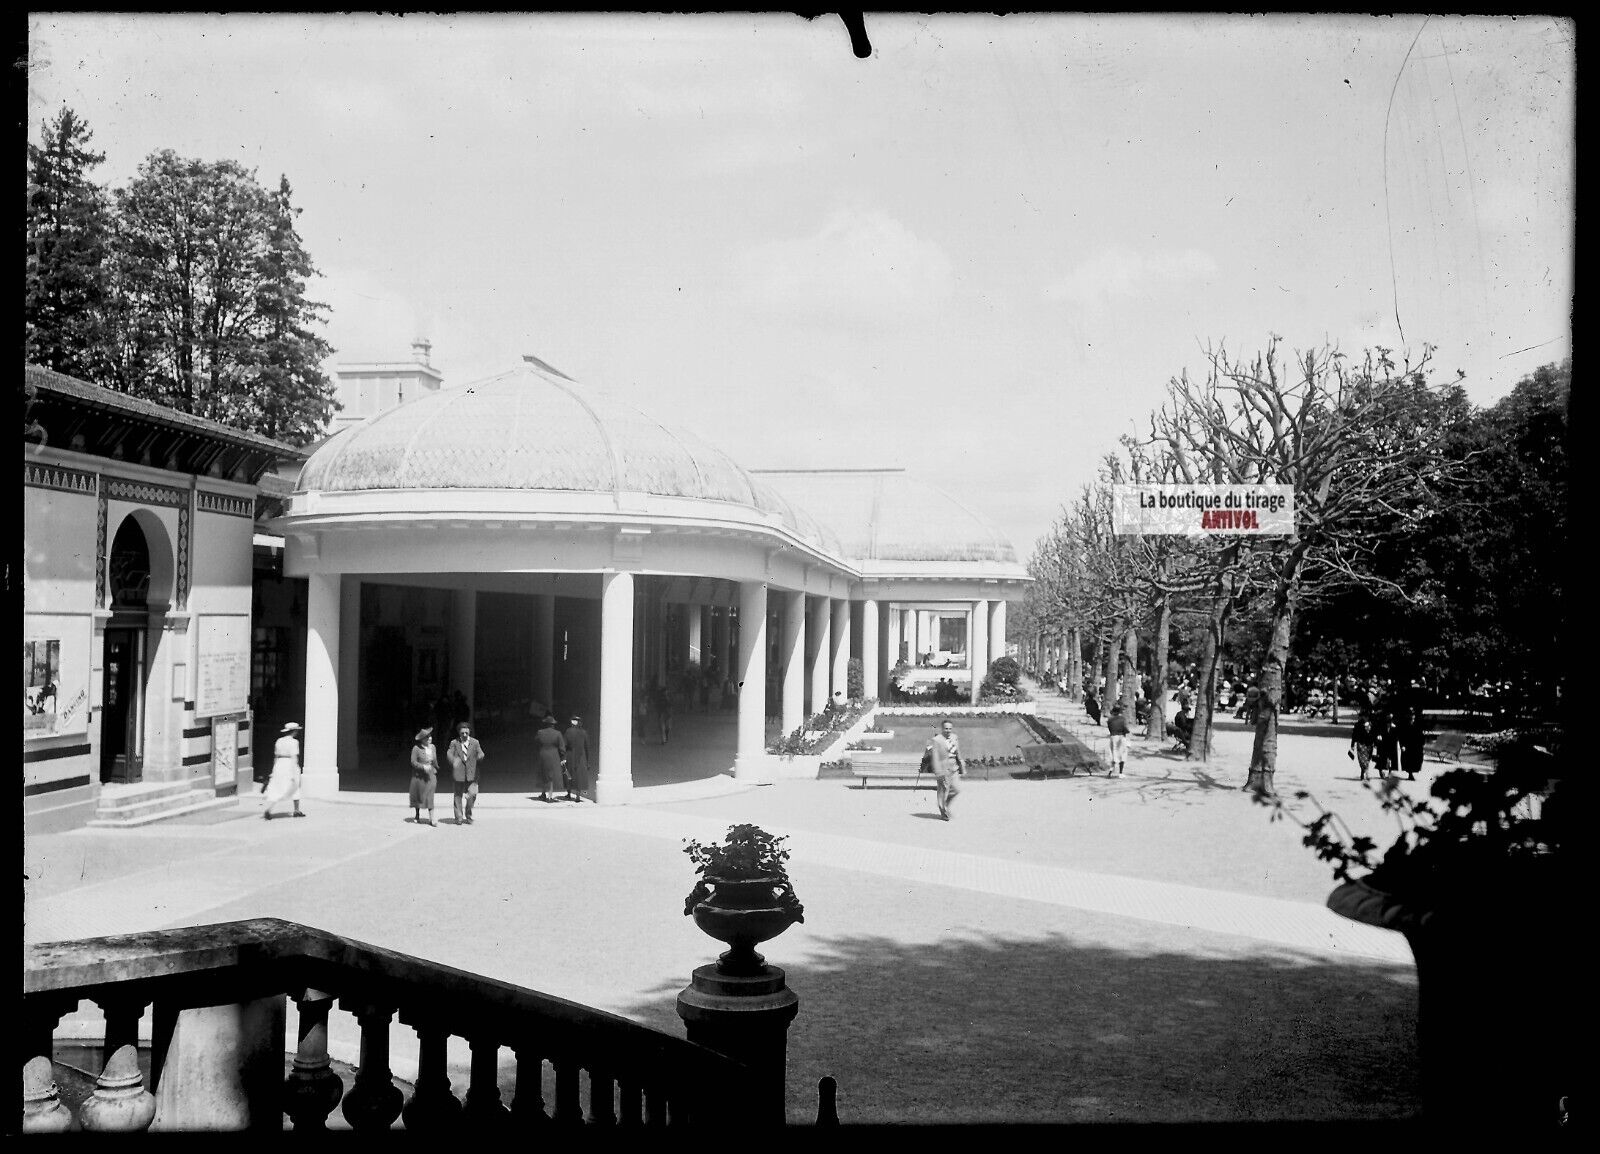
613,783
751,676
997,630
791,651
839,644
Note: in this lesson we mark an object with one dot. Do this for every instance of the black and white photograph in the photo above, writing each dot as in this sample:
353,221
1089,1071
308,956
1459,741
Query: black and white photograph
740,570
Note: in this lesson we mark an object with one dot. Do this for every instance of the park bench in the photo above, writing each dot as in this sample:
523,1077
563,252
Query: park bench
1444,746
1047,757
908,768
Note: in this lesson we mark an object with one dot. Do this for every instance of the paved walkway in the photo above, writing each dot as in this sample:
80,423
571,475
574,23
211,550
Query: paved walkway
1081,884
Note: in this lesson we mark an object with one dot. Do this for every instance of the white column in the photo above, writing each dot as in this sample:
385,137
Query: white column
613,783
997,630
978,645
349,666
818,631
544,648
791,658
871,666
694,612
320,749
463,642
751,760
918,622
840,645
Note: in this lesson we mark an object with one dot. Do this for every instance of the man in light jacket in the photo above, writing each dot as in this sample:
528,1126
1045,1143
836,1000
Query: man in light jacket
947,766
464,754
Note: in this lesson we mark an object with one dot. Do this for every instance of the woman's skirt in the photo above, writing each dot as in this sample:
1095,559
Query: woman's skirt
422,792
550,769
284,784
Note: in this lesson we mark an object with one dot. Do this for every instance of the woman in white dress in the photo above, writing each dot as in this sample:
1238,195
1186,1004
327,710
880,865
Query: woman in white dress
284,784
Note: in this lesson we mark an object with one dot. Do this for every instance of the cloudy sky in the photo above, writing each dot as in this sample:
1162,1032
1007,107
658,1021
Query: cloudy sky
980,253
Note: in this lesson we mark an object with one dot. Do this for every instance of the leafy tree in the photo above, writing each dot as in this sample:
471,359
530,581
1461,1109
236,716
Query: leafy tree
68,229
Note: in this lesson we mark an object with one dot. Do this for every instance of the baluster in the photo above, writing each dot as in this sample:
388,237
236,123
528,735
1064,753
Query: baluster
122,1020
433,1108
484,1108
655,1106
569,1106
827,1107
632,1102
602,1099
312,1089
527,1106
42,1111
374,1102
119,1104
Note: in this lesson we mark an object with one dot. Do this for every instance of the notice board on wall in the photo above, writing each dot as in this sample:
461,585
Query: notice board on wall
222,669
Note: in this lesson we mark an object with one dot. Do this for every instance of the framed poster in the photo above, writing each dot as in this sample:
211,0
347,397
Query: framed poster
224,749
55,675
222,671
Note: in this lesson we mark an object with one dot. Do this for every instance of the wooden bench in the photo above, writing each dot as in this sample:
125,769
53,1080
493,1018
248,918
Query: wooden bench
1444,746
1048,757
908,768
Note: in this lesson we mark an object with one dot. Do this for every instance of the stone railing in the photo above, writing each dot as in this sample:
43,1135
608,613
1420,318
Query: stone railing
219,995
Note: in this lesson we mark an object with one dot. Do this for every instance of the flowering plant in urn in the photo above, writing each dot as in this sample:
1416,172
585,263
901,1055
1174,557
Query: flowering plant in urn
744,895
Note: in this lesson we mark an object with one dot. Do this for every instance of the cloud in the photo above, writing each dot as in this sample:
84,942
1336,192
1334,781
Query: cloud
859,261
1121,272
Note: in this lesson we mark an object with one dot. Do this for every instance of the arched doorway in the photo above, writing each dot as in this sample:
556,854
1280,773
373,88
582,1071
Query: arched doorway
122,693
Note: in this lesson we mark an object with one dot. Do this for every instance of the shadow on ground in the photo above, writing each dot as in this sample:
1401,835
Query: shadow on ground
1053,1030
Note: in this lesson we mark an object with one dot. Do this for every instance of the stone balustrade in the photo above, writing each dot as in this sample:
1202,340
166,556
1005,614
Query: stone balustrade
218,996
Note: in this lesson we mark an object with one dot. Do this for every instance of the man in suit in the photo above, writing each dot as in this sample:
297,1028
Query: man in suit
464,754
947,766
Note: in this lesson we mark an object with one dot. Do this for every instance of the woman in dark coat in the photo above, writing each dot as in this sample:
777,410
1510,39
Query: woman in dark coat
424,775
551,747
577,739
1412,739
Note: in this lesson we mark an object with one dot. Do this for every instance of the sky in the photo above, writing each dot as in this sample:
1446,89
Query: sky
980,253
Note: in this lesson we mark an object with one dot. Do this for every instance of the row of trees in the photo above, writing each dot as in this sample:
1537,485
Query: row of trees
1429,536
187,287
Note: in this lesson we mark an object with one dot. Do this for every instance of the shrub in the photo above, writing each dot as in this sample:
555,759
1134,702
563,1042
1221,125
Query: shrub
1004,671
854,679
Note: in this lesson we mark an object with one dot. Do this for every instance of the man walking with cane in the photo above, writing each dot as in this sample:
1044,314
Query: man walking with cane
947,766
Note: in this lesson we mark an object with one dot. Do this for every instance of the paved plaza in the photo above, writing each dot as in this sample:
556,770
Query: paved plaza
1084,949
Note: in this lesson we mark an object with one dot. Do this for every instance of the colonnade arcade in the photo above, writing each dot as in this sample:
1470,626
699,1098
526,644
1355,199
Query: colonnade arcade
384,639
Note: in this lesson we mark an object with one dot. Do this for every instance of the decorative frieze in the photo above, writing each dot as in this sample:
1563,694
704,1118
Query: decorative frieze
146,493
183,556
58,477
100,552
226,504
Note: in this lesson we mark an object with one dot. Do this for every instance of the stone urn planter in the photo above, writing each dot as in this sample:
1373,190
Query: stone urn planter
1497,984
744,912
744,896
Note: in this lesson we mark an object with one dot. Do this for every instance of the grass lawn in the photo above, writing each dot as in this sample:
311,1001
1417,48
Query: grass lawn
996,736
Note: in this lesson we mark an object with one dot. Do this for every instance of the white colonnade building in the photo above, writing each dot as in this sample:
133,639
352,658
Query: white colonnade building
539,544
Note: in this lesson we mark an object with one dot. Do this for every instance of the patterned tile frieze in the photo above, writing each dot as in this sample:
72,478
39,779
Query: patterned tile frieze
183,555
223,503
146,493
59,477
100,552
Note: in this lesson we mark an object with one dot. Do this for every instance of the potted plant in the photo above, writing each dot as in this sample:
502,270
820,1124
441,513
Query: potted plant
1481,882
743,896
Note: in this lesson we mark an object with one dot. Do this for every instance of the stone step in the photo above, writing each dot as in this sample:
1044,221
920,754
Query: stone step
145,812
114,795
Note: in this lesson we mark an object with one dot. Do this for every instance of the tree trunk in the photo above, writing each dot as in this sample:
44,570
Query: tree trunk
1097,660
1128,670
1206,692
1157,727
1333,707
1109,694
1264,750
1074,659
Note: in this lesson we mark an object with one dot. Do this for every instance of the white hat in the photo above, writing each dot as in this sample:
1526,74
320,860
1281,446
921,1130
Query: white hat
288,725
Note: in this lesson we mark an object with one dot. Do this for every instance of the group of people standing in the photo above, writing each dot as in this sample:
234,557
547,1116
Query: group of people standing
562,761
1389,740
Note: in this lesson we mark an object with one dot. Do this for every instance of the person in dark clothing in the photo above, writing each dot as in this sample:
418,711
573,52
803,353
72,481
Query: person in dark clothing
1384,743
1117,727
1363,736
1091,705
1181,728
1411,738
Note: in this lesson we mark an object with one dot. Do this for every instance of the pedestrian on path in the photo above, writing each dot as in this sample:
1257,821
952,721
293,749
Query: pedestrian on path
424,775
284,784
465,753
1412,739
1117,727
947,766
1362,739
551,748
577,739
